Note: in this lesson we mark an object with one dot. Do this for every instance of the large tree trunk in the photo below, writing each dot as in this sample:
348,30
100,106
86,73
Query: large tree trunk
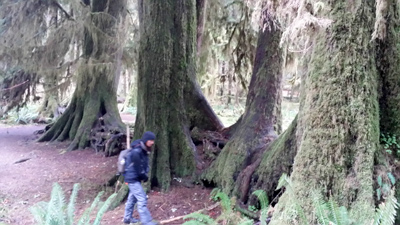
170,102
94,102
339,118
261,122
388,58
389,67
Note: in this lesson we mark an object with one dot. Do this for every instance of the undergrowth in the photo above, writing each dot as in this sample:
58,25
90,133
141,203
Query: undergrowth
229,215
329,212
23,115
58,212
326,211
390,144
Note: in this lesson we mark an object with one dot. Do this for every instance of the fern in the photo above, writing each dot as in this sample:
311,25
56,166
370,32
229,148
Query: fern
39,212
71,205
199,219
104,209
320,209
57,212
264,202
214,192
386,213
335,214
392,179
85,217
54,213
262,197
284,181
225,202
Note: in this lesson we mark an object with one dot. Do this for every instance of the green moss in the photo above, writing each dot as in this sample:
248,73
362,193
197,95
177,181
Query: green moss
339,116
278,159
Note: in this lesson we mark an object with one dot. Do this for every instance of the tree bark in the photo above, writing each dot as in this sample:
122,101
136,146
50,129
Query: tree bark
340,116
201,12
276,160
94,102
388,57
170,102
259,125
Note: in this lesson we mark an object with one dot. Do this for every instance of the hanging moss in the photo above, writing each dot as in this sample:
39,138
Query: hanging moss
95,94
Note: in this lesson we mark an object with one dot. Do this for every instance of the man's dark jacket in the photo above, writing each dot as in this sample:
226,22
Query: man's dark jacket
137,162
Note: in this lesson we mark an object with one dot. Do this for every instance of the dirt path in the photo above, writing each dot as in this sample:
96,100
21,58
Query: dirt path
26,183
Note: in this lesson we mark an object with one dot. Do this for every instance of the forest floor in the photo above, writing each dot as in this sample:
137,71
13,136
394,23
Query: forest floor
26,183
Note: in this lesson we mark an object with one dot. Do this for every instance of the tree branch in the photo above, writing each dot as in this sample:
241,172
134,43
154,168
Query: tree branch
57,5
15,86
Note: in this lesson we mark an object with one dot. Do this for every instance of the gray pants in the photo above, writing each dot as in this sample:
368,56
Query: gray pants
137,195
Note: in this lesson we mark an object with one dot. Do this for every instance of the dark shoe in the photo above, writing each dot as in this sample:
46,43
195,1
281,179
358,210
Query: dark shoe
131,221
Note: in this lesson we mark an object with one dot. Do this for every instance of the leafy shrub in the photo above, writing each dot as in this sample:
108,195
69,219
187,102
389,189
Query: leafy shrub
390,144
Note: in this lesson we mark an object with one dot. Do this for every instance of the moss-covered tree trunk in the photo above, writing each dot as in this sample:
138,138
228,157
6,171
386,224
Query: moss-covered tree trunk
94,100
340,116
388,58
261,122
170,102
389,69
50,102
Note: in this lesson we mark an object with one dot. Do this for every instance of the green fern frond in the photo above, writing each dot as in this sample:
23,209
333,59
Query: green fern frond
386,213
200,219
334,215
55,207
344,216
284,181
263,216
378,194
300,213
391,178
320,208
39,212
71,205
262,197
225,202
104,209
214,192
85,217
379,179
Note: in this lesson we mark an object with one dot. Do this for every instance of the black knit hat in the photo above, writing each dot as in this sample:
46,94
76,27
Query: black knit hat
148,135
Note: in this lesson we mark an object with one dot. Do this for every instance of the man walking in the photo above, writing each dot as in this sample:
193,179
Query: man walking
136,171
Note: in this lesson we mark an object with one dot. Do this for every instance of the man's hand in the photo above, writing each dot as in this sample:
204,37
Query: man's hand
143,177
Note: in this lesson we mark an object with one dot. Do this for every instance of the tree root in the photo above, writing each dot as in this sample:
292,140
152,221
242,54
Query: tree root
85,128
199,136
